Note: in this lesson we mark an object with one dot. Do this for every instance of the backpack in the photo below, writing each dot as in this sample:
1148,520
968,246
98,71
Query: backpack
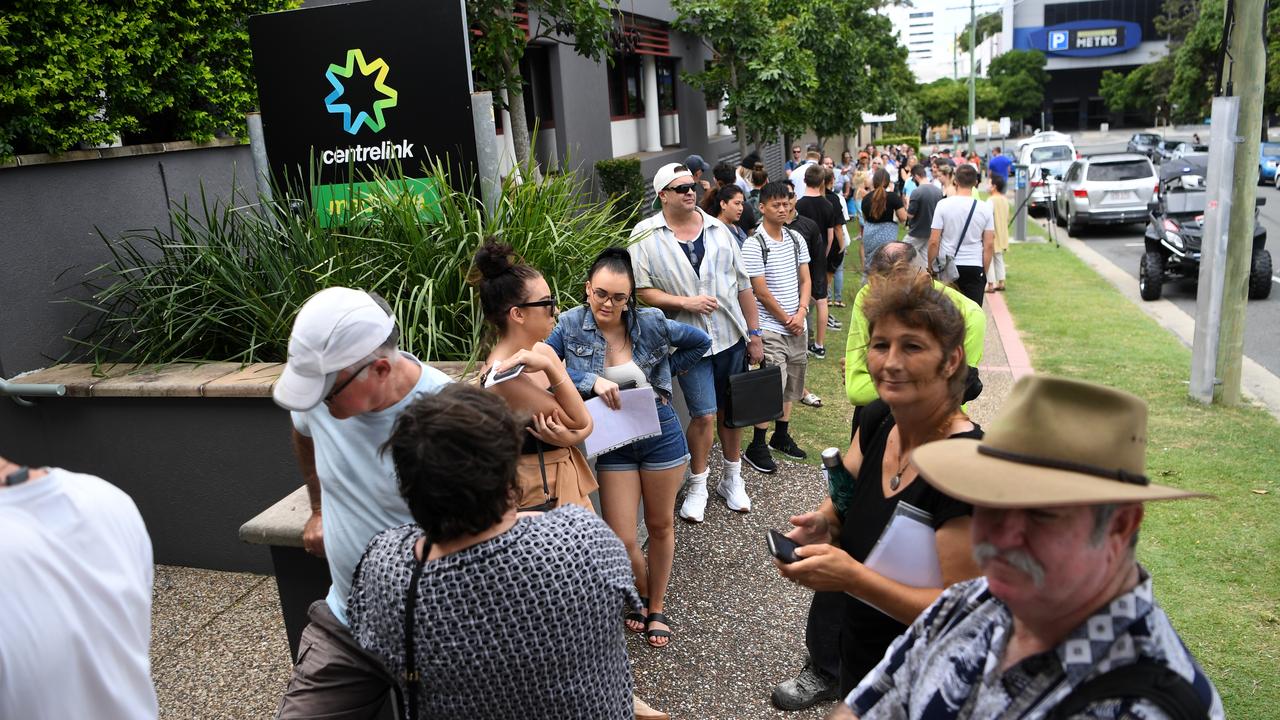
1144,680
764,246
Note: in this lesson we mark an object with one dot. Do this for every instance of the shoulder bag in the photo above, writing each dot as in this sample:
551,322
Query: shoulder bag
944,266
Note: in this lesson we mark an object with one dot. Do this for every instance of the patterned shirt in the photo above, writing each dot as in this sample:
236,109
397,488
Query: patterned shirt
660,263
524,625
947,664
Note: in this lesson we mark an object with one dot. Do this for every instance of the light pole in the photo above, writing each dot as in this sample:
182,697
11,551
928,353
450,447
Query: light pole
973,50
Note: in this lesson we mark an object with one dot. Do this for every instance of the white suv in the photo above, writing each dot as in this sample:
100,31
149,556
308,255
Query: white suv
1046,162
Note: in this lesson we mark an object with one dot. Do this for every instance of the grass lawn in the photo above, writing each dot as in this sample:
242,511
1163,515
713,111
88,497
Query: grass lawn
1216,563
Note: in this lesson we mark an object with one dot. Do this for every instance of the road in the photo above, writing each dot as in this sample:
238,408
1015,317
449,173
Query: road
1123,246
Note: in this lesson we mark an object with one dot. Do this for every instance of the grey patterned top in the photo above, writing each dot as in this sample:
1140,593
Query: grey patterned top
947,664
525,625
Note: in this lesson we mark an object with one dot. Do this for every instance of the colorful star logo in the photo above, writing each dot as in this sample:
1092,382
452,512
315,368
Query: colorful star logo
356,58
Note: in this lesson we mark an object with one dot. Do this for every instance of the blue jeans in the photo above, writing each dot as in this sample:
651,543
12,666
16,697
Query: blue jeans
661,452
837,284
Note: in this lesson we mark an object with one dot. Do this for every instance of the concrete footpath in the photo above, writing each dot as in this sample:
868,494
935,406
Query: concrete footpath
219,647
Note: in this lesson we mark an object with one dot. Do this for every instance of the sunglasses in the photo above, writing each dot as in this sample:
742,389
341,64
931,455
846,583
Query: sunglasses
682,189
616,298
549,303
333,394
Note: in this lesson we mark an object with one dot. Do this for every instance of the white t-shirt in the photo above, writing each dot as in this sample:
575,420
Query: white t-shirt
781,274
358,488
949,217
797,177
75,601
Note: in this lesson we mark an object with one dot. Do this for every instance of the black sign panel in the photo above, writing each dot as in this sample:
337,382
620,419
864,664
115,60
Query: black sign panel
364,85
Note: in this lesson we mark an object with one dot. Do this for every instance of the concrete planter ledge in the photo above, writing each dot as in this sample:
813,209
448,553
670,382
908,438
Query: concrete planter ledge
281,524
210,380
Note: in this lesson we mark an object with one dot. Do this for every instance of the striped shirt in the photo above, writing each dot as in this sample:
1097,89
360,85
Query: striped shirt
780,272
659,263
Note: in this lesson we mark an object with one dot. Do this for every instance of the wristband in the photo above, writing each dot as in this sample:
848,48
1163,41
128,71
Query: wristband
755,333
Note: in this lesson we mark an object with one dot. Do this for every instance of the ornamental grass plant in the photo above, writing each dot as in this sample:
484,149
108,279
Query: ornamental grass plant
225,282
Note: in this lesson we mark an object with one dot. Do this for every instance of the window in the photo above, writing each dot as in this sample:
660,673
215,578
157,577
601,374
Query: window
1115,172
626,81
1142,12
1050,153
667,85
921,15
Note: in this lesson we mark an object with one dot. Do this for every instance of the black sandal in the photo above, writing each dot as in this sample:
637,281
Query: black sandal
637,617
649,635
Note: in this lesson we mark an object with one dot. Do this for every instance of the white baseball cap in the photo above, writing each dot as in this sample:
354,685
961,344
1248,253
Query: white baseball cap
335,329
667,173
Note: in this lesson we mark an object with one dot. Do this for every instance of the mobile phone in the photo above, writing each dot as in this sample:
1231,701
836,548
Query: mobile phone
781,546
497,377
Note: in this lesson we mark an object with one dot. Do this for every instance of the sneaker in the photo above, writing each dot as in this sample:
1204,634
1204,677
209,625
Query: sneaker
833,323
695,500
817,351
734,492
759,457
807,689
787,446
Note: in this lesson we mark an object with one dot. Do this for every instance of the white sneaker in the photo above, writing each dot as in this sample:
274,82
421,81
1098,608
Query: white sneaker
734,492
695,500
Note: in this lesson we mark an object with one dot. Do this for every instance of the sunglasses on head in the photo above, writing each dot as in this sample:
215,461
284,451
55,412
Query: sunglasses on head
682,189
548,303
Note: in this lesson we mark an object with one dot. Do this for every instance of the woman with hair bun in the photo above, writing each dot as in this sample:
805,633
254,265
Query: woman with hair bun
518,303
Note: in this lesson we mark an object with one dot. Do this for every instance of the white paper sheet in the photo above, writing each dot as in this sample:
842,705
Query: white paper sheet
636,420
907,550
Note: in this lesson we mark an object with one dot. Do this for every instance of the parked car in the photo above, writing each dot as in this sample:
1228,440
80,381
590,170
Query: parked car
1164,150
1184,149
1175,228
1268,162
1143,144
1046,136
1106,189
1046,162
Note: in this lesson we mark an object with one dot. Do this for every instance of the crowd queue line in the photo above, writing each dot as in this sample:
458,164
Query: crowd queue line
471,578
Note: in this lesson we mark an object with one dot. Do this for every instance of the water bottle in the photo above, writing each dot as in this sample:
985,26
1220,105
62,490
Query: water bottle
839,481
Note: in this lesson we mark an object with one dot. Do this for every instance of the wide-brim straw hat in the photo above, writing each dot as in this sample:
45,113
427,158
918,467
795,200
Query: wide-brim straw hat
1056,442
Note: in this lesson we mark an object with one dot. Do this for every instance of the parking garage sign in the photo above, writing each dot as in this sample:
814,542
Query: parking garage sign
1087,38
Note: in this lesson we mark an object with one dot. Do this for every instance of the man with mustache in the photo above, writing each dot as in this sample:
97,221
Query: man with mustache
1063,622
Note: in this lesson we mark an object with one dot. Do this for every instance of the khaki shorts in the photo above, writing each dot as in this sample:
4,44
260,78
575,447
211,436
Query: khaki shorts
791,353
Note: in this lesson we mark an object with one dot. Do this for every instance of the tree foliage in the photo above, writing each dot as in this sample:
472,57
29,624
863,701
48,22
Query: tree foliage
946,101
1019,78
584,25
756,65
988,25
83,71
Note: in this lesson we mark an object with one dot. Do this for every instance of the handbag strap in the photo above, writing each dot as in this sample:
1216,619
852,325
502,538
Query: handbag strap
411,676
964,231
542,468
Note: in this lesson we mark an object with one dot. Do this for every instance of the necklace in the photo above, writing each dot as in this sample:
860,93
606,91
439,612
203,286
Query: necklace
896,481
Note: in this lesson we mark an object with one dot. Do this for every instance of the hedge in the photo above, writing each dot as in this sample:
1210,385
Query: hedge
912,140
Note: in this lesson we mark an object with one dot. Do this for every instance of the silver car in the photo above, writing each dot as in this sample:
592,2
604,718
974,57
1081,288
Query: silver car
1106,189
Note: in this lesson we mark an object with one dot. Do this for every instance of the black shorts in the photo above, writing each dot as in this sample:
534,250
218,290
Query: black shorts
818,271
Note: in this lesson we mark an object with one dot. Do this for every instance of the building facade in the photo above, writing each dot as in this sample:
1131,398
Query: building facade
1081,40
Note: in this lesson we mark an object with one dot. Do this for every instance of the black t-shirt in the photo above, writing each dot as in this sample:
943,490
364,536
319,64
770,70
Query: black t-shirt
820,211
867,631
750,219
814,238
893,202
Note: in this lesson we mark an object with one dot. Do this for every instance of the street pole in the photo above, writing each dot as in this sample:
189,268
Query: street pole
973,51
1240,78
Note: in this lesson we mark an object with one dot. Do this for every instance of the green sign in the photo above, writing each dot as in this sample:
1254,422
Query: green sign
339,203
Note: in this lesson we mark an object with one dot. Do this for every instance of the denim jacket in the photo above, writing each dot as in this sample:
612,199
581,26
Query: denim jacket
577,340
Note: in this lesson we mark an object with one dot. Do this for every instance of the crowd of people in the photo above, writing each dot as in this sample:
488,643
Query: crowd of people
472,577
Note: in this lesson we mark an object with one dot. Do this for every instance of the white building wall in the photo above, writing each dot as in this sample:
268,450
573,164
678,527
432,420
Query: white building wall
626,136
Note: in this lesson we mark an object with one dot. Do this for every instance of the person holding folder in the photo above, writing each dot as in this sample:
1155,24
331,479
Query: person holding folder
916,358
609,343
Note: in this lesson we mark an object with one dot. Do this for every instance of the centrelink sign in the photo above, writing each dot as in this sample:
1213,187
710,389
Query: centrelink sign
348,89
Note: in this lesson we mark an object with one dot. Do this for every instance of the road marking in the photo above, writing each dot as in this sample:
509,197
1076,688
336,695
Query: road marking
1134,244
1275,279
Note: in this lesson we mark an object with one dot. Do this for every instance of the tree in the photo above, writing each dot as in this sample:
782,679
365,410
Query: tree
1018,77
586,25
755,65
988,25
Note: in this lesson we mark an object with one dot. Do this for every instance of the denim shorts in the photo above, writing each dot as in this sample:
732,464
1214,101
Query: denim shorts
661,452
706,385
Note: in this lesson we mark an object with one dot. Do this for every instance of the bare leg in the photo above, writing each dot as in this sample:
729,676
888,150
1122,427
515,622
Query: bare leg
700,435
619,500
659,488
730,439
821,331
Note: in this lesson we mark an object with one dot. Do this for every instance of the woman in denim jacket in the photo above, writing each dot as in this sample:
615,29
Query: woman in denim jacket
610,342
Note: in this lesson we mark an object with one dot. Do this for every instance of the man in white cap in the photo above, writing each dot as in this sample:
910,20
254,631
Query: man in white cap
345,382
688,264
1063,622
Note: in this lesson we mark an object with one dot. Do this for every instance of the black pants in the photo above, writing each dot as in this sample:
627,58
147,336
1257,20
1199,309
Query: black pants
972,282
822,631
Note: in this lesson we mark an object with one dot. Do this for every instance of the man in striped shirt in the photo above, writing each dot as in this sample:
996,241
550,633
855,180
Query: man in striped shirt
688,265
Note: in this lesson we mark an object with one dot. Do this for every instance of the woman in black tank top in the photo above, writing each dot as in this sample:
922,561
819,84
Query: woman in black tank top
916,359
